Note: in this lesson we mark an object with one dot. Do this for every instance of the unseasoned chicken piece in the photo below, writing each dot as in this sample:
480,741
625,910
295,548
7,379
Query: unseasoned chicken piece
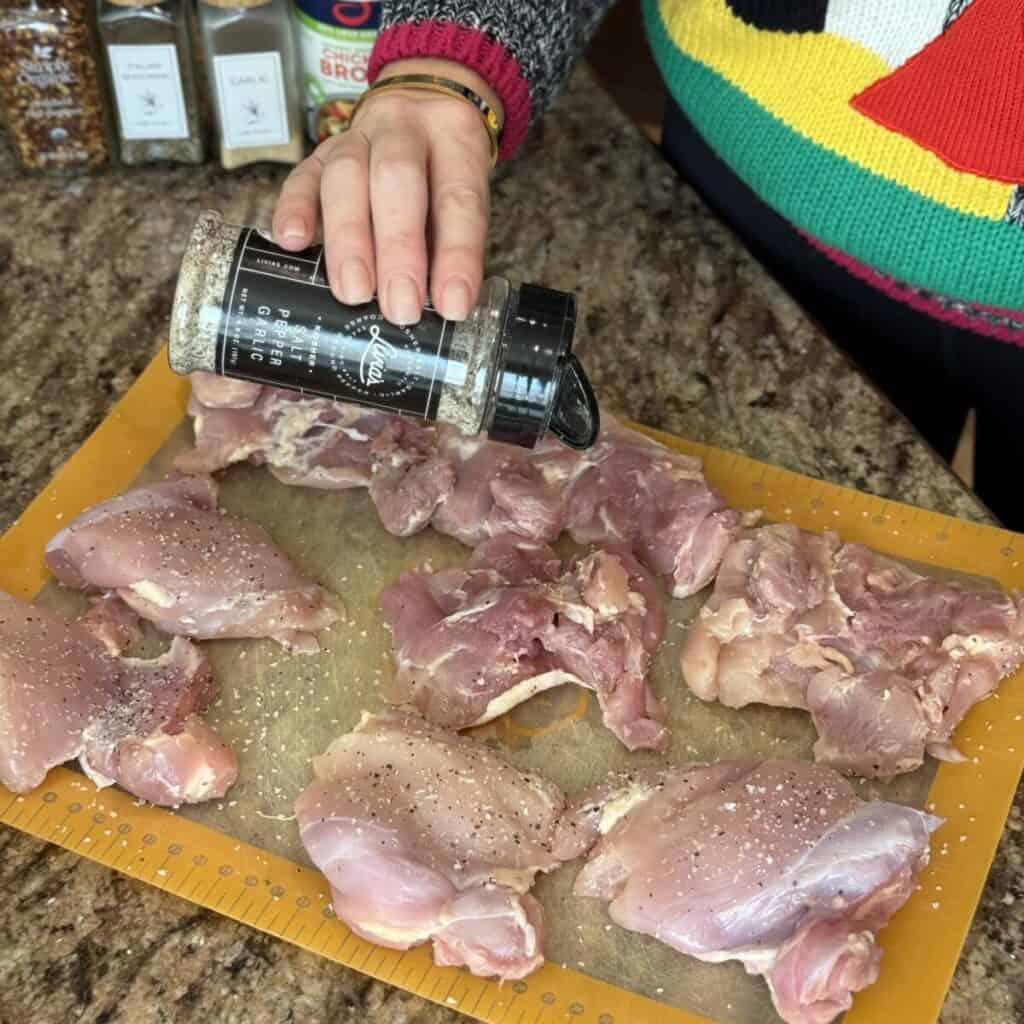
776,864
64,695
224,436
886,660
769,622
470,644
410,477
626,489
217,392
426,835
175,559
498,489
303,441
630,489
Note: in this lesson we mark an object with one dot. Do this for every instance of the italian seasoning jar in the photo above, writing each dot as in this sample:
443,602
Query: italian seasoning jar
50,87
148,48
254,79
247,309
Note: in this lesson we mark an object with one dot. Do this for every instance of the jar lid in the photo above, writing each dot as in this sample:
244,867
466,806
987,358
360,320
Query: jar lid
575,420
536,364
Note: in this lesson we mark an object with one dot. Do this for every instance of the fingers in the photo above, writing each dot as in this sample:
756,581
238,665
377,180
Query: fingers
460,212
345,200
298,206
375,184
398,196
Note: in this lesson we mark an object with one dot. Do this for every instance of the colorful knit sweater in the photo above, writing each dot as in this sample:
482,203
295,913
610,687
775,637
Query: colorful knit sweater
889,132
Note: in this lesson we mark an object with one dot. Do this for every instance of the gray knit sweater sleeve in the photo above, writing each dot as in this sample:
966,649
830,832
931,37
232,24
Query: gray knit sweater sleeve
525,49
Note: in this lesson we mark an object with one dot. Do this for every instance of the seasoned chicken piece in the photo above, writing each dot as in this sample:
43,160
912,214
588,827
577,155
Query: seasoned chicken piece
776,864
886,660
424,834
64,695
470,644
175,559
630,489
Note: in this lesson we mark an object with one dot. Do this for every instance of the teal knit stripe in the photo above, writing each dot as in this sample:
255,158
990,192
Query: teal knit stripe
885,225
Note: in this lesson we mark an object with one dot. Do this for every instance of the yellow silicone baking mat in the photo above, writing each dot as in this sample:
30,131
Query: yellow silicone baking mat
241,856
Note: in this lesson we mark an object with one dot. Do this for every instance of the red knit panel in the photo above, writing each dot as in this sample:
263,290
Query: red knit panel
962,96
478,51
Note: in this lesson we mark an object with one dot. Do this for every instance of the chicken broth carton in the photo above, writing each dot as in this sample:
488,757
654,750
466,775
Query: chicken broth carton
335,40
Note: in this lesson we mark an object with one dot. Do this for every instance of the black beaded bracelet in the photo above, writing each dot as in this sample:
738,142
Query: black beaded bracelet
433,83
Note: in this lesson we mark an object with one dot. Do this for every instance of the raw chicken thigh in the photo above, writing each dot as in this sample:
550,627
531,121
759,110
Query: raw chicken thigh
423,834
175,559
305,441
886,660
632,490
65,693
498,489
217,392
409,477
626,489
472,643
776,864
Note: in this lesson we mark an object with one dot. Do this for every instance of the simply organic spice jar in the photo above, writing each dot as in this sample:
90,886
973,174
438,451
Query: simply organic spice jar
246,308
50,86
148,50
254,81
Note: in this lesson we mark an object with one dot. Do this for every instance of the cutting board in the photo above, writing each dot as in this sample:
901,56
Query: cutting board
241,856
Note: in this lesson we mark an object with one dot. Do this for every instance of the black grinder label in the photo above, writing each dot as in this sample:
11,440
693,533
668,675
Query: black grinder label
280,325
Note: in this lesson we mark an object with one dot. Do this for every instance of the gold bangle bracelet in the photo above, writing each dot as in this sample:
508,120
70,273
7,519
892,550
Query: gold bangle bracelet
442,86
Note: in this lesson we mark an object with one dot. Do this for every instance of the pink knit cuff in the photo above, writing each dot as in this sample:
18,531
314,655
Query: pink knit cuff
993,321
478,51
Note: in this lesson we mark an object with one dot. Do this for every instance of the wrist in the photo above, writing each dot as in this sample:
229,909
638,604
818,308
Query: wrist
445,69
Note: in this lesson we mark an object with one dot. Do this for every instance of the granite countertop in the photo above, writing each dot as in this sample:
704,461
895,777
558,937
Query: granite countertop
680,329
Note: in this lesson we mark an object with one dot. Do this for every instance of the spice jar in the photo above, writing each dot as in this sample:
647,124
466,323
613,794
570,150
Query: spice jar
335,41
148,48
50,86
246,308
250,60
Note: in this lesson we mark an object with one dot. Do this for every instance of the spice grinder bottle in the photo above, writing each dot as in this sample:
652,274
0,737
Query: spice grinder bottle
53,103
246,308
335,41
148,49
254,80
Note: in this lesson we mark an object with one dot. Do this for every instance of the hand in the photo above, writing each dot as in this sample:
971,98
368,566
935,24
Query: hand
409,158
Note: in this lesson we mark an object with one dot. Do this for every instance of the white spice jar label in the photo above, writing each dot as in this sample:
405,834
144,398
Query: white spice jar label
251,100
147,84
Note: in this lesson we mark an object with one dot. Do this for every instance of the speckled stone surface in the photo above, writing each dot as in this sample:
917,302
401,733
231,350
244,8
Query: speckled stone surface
680,329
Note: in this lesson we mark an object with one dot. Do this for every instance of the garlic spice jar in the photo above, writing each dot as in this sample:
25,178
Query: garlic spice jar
246,308
254,80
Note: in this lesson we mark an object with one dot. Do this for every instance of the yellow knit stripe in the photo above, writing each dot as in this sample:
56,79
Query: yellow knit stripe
806,80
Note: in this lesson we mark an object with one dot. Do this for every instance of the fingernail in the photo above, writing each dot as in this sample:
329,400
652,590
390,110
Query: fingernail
455,300
293,228
355,283
403,300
